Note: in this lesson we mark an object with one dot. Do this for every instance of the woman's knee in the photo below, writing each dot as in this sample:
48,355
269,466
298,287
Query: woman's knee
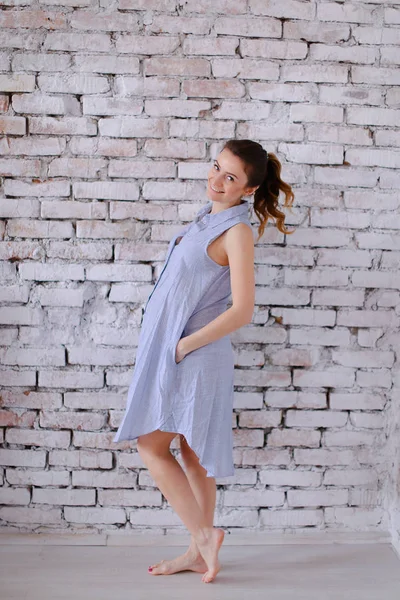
189,457
154,443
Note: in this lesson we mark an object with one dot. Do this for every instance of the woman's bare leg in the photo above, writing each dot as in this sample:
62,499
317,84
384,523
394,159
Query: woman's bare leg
204,489
174,485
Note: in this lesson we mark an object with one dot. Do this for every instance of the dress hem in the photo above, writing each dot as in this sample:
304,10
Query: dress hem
190,445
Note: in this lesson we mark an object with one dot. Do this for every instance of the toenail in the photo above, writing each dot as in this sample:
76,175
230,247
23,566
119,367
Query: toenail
150,569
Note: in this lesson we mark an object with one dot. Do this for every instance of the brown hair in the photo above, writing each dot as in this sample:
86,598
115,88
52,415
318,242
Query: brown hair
263,169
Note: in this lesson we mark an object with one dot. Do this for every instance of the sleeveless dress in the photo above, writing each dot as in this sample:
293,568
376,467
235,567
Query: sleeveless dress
195,396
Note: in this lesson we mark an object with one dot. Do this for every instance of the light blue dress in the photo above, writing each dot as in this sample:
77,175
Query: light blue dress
195,396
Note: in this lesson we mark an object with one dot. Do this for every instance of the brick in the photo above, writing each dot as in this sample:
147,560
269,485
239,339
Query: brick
293,518
104,272
318,74
373,116
281,92
76,167
234,7
245,68
64,496
50,439
33,19
253,498
294,437
94,515
356,518
106,230
17,82
73,210
180,24
242,110
136,44
377,378
344,258
295,478
365,34
327,378
364,318
357,401
350,94
350,477
221,88
25,228
210,46
19,208
272,132
20,315
365,199
316,278
309,418
348,13
323,457
375,279
62,126
312,153
392,16
336,218
70,379
33,356
348,438
345,177
294,357
328,33
317,497
128,127
147,86
76,251
176,108
349,54
141,168
13,125
101,357
87,42
320,337
316,113
199,67
363,358
375,75
255,418
248,27
51,272
291,9
177,148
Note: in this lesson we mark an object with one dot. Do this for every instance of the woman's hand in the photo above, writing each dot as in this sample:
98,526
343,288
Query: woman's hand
179,351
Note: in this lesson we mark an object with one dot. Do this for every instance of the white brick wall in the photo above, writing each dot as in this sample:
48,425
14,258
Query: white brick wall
110,116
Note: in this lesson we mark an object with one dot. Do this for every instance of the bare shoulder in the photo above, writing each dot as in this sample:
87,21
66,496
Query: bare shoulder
240,234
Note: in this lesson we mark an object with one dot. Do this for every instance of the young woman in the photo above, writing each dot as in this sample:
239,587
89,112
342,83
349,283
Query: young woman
183,378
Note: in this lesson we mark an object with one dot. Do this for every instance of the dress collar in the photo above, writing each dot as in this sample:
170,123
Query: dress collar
215,219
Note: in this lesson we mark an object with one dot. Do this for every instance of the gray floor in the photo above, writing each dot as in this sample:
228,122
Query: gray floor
285,571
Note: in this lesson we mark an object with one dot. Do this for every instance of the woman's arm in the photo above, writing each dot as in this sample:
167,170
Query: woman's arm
239,247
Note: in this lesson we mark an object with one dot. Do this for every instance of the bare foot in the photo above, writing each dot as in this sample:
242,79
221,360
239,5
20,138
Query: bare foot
190,561
209,547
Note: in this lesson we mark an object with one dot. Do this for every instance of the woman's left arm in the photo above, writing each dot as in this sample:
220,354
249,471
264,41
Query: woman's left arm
239,246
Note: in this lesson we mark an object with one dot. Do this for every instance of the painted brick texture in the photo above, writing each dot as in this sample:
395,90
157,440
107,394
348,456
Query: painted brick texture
110,115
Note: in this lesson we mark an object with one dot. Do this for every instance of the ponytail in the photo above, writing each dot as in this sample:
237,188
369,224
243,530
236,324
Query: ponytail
266,197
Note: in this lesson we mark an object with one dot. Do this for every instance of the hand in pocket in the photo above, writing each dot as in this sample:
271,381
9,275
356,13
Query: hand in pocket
179,352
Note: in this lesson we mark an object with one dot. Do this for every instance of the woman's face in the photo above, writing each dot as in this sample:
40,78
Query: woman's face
227,179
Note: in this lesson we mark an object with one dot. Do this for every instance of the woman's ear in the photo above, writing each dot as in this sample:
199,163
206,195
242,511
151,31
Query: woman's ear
250,191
